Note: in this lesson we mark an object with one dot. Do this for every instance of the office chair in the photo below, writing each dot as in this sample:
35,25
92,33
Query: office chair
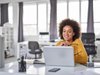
35,49
88,40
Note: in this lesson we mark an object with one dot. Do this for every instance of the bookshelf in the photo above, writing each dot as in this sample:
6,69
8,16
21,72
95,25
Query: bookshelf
8,39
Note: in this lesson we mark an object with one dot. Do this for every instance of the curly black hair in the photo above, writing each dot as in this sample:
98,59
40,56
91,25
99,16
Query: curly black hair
75,26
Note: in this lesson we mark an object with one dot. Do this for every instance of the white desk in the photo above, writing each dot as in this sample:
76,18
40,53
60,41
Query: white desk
79,70
97,58
43,70
6,73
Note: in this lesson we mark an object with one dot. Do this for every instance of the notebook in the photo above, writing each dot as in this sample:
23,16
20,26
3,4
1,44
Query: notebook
59,56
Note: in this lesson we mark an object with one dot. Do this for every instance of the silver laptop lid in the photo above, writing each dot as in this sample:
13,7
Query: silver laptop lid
59,55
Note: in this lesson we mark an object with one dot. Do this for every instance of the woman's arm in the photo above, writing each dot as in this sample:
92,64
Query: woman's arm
79,52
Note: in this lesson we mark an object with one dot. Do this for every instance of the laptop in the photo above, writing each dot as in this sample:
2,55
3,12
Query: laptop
59,56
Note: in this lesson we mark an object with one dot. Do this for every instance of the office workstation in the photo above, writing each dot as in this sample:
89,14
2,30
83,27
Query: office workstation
27,27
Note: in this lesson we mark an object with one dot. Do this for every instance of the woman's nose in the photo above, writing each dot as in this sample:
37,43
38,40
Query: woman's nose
66,33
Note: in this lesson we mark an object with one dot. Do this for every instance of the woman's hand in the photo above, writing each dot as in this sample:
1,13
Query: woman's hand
64,43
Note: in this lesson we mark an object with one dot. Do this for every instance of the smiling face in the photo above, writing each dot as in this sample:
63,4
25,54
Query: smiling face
68,33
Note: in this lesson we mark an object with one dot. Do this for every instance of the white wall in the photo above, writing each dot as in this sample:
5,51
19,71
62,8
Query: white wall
15,24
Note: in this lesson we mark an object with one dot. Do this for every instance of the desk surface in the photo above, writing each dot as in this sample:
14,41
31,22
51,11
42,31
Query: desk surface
6,73
40,69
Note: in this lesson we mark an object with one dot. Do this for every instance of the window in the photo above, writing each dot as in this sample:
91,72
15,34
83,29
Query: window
30,19
74,10
96,11
10,14
61,13
29,30
97,17
30,14
42,17
97,28
48,17
37,15
83,27
84,11
35,18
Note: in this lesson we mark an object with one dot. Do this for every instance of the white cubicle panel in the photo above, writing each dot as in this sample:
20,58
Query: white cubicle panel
22,49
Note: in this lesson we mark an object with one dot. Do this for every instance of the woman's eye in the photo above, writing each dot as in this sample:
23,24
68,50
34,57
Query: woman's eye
64,31
69,32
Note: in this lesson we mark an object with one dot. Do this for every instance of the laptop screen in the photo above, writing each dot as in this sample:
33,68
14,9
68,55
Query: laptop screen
59,55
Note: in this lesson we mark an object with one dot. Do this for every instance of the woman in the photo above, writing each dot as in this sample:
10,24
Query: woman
69,31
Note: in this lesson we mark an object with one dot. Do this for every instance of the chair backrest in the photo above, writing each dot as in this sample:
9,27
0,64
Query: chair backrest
90,49
88,40
33,45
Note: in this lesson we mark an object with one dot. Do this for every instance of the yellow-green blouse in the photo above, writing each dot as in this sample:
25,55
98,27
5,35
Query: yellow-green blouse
80,54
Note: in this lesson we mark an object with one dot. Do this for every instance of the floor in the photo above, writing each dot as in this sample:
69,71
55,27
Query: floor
29,60
11,66
10,59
